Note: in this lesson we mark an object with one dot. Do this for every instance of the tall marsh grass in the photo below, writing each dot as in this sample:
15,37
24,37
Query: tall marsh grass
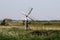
18,34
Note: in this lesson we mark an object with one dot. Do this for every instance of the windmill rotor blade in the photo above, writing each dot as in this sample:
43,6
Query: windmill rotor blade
23,13
30,11
31,18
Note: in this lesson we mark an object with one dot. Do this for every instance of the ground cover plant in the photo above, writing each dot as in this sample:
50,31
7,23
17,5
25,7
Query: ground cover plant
18,34
16,31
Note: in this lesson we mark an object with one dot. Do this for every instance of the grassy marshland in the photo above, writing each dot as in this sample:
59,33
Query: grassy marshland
39,31
17,34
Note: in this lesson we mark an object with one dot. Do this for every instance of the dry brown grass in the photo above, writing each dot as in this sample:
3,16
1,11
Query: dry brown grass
34,28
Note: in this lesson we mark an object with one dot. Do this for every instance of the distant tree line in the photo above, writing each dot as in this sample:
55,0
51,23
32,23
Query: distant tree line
5,22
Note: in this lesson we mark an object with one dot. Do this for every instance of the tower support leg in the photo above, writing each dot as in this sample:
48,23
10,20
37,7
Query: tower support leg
26,25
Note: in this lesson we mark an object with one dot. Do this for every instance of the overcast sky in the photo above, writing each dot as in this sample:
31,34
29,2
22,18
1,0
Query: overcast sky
42,9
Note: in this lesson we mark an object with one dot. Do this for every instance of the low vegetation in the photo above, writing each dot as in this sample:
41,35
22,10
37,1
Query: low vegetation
17,34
